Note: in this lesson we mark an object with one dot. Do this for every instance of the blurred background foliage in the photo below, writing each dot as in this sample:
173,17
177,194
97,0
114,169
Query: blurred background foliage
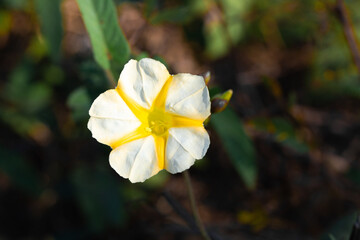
284,156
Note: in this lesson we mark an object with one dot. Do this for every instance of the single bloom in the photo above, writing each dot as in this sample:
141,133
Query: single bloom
152,120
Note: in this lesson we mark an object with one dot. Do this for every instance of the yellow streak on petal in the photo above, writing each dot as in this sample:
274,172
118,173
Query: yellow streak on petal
181,121
132,136
160,147
153,121
160,99
140,112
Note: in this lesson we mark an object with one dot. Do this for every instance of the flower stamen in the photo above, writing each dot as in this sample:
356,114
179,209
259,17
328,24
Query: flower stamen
159,122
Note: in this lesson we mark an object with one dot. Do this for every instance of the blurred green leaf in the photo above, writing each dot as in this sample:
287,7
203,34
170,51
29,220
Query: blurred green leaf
17,121
354,175
139,191
233,8
341,229
54,75
19,171
283,131
214,91
16,4
162,60
156,181
221,35
149,7
332,52
50,20
199,6
172,15
334,73
5,22
234,13
110,46
94,77
141,56
21,91
331,237
134,194
38,96
79,103
37,49
217,43
237,144
99,196
18,82
329,91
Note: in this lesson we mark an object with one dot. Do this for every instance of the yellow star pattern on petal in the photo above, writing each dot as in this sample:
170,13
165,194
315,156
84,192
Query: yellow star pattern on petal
155,121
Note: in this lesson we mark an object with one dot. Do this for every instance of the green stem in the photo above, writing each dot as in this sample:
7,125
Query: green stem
110,78
349,32
194,208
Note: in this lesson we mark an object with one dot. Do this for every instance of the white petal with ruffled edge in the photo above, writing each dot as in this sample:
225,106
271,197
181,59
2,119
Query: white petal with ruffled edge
177,159
194,140
135,160
110,118
188,96
143,80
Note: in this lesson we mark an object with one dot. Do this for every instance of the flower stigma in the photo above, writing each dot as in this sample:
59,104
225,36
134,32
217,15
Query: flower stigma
158,122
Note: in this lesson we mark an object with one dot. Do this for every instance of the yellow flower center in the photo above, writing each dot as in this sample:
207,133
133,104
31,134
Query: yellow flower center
155,121
158,122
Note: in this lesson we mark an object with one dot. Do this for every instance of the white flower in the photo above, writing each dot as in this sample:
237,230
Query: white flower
152,120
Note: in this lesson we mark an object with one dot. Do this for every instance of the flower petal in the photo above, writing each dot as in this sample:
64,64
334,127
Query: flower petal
143,80
135,160
177,158
188,96
110,105
195,140
110,118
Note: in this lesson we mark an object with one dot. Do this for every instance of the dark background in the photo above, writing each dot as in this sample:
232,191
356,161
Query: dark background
295,109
